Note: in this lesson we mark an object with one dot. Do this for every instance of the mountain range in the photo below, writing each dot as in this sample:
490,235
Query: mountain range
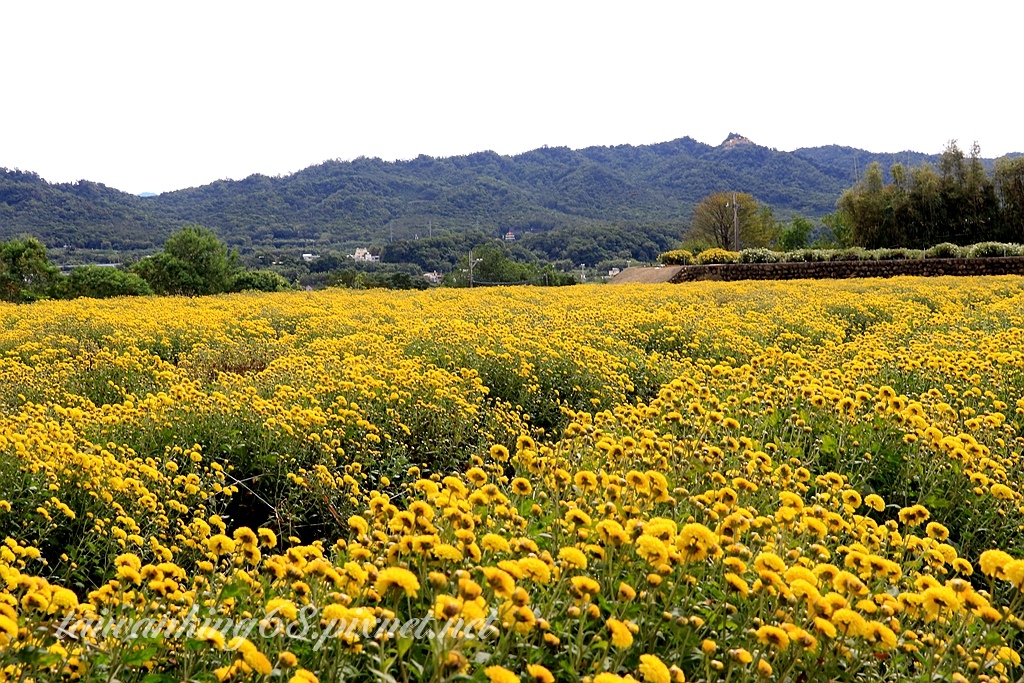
367,201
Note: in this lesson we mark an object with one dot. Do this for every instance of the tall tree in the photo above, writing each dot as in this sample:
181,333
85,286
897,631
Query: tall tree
713,221
953,190
868,208
957,201
1009,181
25,270
193,263
796,235
983,212
927,213
838,224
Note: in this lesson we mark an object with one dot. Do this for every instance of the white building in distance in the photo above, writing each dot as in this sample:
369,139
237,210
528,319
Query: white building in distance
363,255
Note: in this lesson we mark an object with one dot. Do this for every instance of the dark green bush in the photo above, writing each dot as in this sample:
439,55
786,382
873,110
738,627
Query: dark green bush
97,282
259,281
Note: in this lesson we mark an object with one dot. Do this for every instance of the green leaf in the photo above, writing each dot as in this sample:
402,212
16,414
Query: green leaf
35,656
158,678
235,590
139,657
993,638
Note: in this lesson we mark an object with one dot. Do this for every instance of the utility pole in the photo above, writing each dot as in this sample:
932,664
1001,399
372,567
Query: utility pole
430,228
735,223
472,263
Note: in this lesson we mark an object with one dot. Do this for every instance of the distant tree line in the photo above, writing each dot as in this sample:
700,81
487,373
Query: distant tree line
958,202
491,265
566,248
194,262
716,217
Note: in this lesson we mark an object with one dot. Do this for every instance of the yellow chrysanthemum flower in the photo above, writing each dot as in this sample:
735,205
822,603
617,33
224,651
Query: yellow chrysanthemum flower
621,637
397,577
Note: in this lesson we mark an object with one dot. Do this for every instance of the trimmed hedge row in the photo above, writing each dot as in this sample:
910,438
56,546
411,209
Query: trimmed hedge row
946,250
837,270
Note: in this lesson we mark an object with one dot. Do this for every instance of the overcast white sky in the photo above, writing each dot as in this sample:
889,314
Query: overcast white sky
155,96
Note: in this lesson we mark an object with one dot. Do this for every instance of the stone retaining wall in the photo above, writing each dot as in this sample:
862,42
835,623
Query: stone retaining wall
1010,265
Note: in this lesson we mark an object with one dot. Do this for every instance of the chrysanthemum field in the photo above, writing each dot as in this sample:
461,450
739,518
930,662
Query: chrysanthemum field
801,481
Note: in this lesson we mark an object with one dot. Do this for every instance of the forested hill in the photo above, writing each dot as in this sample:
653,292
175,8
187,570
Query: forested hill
849,162
646,188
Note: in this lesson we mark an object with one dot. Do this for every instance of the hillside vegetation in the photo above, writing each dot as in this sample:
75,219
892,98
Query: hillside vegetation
647,189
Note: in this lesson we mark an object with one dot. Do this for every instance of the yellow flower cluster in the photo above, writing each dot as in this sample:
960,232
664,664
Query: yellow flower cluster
698,482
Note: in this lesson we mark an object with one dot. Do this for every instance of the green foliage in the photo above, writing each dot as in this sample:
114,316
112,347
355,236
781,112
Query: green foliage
677,257
491,265
592,244
717,256
759,255
715,216
341,205
851,254
98,282
994,250
958,202
839,228
807,256
896,254
439,253
258,281
25,271
944,250
84,214
352,278
582,206
1009,180
193,263
796,235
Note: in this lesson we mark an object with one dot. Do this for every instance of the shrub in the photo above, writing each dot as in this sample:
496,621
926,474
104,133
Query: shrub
944,250
807,256
759,255
677,257
25,271
717,255
98,282
259,281
797,235
896,254
853,254
994,250
193,263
